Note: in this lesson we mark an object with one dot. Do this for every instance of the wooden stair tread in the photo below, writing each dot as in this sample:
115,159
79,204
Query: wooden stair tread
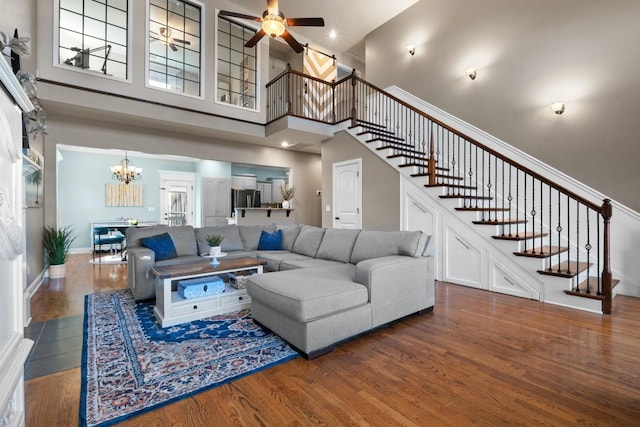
379,132
382,137
411,156
520,236
463,196
566,269
417,175
479,209
397,146
366,124
542,252
402,149
462,187
505,221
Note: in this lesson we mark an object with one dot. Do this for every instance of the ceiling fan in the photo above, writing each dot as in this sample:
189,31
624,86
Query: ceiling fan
165,38
274,24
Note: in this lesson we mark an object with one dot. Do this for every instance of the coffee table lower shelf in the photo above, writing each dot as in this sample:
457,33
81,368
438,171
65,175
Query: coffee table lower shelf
172,309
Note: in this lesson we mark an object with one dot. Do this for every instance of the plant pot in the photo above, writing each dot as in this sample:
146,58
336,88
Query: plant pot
57,271
286,204
215,250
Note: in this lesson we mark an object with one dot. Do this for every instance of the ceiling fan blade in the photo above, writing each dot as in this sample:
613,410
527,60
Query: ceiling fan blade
255,39
272,6
292,42
187,42
239,15
173,47
306,22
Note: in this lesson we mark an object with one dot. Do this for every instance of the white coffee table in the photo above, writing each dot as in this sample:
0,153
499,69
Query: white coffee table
171,309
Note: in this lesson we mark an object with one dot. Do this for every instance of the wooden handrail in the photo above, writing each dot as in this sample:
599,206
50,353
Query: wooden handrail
525,169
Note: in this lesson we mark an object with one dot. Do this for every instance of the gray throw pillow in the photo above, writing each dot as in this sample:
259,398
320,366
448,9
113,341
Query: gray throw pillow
250,234
308,240
337,244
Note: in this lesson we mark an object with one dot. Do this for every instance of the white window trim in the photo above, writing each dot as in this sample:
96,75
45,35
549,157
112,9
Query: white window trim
202,53
248,24
56,47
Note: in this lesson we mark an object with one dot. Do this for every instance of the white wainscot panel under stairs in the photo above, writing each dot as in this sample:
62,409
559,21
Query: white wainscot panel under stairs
467,254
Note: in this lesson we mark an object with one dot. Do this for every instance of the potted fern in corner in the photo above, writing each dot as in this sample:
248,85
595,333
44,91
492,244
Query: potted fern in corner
214,240
57,243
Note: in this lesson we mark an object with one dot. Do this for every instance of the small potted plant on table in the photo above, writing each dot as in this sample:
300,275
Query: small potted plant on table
57,243
214,240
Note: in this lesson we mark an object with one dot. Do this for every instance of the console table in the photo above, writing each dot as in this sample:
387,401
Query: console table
171,309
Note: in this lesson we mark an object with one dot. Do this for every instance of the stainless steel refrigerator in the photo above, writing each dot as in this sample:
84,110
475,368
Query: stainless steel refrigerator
245,199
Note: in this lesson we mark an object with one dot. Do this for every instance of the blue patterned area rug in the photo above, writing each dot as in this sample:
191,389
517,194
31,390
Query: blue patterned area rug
130,365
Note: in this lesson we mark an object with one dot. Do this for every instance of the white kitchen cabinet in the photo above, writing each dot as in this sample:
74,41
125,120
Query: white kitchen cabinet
244,182
216,201
265,192
276,189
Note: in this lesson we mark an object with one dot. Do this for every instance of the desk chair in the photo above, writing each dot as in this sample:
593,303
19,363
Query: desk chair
103,236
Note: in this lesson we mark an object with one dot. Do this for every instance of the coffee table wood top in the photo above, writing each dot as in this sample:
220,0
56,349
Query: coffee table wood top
204,266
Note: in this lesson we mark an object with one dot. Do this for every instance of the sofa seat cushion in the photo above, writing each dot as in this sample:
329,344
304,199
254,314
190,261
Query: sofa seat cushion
274,258
303,298
292,264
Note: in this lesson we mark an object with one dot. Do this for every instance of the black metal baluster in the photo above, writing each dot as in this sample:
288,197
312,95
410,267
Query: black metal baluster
569,239
559,230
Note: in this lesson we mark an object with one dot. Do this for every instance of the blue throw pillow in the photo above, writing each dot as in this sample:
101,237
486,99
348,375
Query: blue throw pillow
270,241
161,244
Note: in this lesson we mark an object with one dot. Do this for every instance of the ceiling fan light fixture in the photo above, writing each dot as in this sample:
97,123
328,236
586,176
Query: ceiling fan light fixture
273,25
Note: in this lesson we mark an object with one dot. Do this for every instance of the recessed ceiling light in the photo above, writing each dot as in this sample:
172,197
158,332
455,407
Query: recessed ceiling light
333,34
284,144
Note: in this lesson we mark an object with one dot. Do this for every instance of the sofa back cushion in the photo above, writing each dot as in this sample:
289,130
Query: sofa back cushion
289,234
250,234
231,238
376,244
337,244
183,236
308,240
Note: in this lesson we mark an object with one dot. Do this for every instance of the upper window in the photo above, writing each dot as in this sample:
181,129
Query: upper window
93,35
174,46
236,65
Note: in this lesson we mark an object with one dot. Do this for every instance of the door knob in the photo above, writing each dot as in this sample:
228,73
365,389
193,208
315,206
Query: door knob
337,218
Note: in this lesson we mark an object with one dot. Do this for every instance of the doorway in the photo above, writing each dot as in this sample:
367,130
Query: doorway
347,194
176,199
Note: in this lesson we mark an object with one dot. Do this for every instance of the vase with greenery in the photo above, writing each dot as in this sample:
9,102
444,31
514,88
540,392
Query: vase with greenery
288,192
214,241
57,243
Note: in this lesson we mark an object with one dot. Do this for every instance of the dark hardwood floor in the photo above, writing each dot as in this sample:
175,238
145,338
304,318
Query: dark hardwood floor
479,358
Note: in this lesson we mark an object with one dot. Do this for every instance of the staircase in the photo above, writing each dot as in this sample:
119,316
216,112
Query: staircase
565,235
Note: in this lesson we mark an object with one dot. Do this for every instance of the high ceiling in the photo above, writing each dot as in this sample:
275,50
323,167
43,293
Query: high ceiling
352,20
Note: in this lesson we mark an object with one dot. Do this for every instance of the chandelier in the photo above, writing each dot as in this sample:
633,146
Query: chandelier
125,172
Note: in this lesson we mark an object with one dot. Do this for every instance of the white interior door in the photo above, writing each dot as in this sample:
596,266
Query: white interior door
176,201
347,194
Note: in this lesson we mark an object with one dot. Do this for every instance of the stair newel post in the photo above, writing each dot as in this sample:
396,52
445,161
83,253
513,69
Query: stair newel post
333,102
431,163
606,211
289,106
354,111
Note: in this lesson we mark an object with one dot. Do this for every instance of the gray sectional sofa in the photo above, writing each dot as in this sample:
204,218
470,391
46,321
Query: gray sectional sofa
323,286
